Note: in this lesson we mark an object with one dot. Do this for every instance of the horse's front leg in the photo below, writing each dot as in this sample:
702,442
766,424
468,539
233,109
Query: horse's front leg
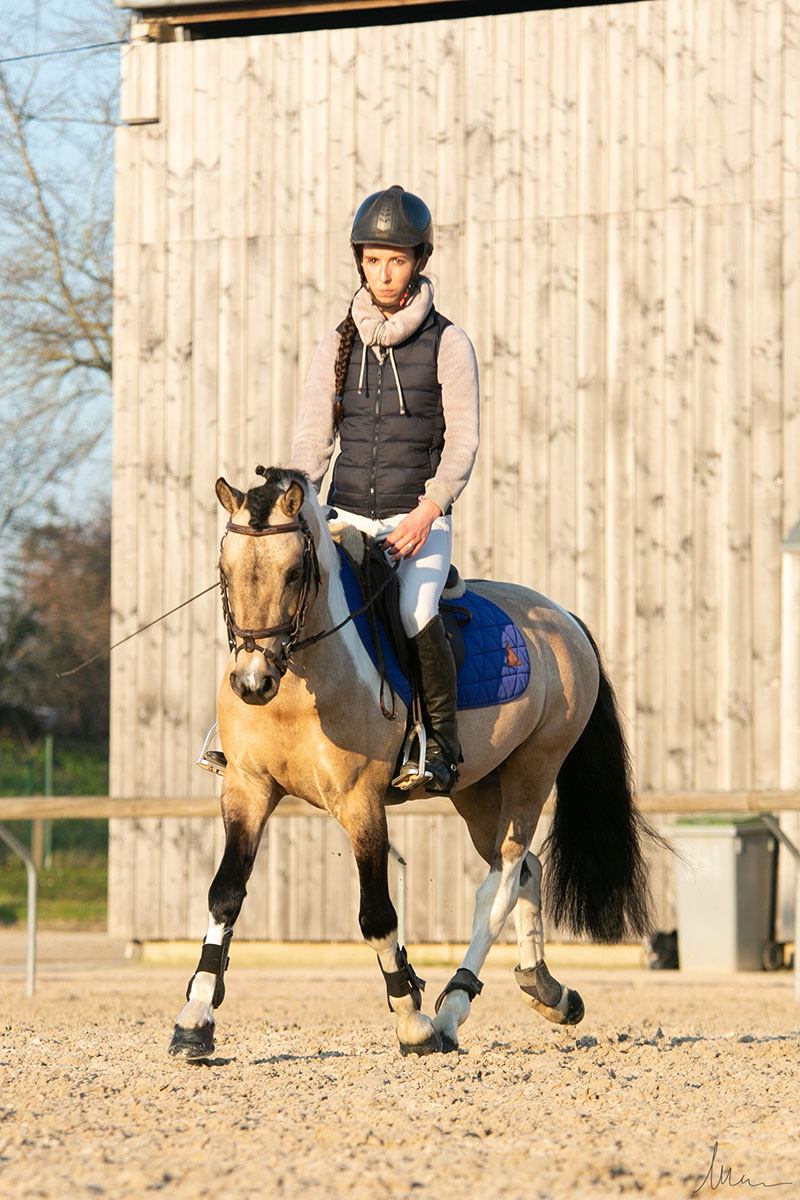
244,817
559,1004
366,827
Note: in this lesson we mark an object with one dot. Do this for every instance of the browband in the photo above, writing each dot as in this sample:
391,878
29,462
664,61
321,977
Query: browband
293,527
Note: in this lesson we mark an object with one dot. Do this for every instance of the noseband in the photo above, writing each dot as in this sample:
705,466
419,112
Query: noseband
292,627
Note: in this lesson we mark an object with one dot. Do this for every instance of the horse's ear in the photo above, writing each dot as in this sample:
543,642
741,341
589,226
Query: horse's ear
292,499
229,497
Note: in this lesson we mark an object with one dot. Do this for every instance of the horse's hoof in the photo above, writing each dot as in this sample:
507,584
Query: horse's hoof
575,1009
193,1045
572,1012
431,1045
449,1044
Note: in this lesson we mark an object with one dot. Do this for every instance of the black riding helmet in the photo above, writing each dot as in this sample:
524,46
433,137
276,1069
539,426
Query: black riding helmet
393,217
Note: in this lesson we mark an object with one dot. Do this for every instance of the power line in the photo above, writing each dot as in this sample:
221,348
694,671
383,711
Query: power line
69,50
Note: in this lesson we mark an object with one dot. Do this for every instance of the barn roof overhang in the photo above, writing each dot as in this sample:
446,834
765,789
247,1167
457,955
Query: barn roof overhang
204,18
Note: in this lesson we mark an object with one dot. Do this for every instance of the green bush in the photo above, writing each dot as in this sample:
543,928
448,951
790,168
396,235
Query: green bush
70,896
80,768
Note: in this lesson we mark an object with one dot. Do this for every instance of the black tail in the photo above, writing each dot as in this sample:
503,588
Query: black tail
596,878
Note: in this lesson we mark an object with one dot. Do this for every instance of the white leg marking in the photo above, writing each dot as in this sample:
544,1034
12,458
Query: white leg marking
493,902
413,1027
528,915
199,1009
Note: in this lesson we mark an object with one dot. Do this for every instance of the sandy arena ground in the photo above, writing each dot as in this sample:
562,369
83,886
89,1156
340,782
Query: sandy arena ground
308,1096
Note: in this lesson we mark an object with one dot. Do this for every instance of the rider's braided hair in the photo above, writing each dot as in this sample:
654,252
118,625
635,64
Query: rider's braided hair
346,339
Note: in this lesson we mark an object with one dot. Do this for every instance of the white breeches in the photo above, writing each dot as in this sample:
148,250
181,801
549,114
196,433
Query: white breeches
422,578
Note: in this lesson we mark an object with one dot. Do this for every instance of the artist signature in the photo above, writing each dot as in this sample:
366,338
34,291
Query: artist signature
725,1175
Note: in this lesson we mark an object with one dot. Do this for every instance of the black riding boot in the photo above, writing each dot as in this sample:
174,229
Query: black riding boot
438,677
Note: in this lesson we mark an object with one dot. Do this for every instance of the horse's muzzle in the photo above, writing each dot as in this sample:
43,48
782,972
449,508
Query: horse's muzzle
255,688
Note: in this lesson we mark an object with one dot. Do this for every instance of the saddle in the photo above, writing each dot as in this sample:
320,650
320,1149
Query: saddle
376,578
491,657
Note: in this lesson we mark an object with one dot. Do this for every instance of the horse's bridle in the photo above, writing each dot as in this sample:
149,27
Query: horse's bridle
311,574
294,626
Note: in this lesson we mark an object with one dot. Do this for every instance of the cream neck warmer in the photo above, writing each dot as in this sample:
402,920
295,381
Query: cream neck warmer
376,330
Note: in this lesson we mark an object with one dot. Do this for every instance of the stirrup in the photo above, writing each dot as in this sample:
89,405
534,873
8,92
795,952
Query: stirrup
412,771
212,760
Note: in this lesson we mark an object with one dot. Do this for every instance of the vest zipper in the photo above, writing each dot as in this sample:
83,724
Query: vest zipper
376,416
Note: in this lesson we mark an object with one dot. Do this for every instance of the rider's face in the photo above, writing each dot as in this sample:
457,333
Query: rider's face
388,273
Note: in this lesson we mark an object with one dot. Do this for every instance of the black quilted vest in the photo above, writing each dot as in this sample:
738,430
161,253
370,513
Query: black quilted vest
386,454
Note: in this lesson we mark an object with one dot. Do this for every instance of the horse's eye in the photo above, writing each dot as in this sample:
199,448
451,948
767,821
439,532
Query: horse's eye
293,575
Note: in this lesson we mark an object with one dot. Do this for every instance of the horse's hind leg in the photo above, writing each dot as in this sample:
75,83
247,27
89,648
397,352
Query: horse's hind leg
515,811
193,1037
551,999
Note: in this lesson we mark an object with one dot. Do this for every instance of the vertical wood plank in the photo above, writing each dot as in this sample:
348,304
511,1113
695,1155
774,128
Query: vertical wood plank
563,110
621,135
233,447
422,83
260,118
179,86
679,109
506,517
177,419
473,527
342,274
591,583
709,552
595,154
791,99
767,120
791,366
650,66
736,584
767,484
447,200
708,103
534,497
651,488
206,631
151,521
678,524
258,348
562,535
620,465
233,105
535,114
206,139
737,156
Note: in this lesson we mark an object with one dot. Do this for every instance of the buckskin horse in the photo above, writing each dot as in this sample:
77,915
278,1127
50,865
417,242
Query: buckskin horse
299,715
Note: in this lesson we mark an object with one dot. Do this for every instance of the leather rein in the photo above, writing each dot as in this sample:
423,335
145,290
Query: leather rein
294,627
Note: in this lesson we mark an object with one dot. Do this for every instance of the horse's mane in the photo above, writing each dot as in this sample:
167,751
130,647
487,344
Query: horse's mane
262,498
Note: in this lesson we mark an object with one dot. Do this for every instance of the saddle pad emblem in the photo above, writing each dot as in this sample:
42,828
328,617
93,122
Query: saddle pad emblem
496,666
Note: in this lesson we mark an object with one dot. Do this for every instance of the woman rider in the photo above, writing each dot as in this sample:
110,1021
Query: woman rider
398,383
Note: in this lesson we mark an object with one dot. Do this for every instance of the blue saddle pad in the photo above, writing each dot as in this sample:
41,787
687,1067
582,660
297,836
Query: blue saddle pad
496,664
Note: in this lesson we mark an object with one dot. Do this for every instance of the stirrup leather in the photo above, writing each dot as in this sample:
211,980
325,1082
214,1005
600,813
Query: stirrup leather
212,760
412,771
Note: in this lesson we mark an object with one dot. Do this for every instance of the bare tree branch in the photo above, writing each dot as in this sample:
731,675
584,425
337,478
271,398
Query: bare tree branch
56,219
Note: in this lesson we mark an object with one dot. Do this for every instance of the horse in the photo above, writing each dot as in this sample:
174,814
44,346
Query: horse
298,712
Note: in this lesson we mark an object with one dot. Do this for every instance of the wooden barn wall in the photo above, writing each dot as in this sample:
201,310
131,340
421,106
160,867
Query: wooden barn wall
617,201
